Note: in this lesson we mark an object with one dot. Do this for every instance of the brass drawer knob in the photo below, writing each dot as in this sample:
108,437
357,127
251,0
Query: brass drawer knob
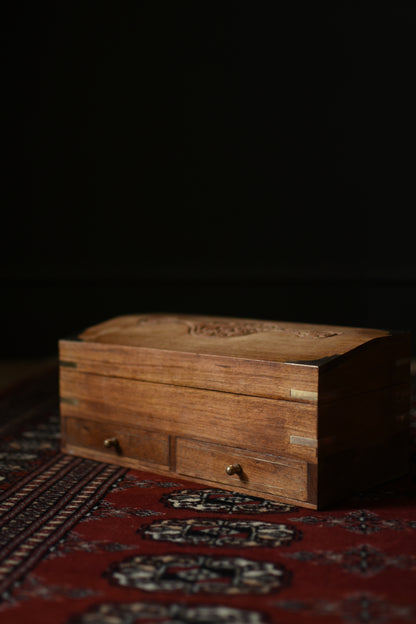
111,443
234,469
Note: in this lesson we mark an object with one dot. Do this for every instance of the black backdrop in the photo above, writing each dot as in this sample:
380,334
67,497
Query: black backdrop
230,158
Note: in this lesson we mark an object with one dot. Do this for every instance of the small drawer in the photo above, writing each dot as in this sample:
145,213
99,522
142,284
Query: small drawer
256,472
115,442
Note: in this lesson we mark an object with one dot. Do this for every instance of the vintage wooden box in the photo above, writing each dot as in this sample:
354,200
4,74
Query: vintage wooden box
299,413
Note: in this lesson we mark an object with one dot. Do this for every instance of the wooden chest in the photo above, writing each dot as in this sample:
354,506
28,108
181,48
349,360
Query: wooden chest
299,413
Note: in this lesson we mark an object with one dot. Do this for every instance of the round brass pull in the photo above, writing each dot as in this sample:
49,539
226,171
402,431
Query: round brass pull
111,443
234,469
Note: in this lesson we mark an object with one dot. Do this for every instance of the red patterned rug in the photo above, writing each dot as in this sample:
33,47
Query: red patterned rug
83,542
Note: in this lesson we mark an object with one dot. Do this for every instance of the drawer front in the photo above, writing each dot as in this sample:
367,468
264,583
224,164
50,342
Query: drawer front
114,441
256,472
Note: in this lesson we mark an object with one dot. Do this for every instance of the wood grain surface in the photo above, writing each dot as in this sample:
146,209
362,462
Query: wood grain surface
311,413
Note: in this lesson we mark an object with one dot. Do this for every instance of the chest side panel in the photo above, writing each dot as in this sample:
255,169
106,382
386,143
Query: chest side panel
363,418
247,422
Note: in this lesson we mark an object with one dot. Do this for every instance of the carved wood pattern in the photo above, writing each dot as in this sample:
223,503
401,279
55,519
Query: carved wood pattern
224,328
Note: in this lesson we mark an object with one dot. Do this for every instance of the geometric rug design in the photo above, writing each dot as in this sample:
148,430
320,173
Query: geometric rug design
85,542
37,511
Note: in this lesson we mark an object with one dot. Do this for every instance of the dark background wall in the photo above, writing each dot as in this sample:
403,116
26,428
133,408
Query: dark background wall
229,158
